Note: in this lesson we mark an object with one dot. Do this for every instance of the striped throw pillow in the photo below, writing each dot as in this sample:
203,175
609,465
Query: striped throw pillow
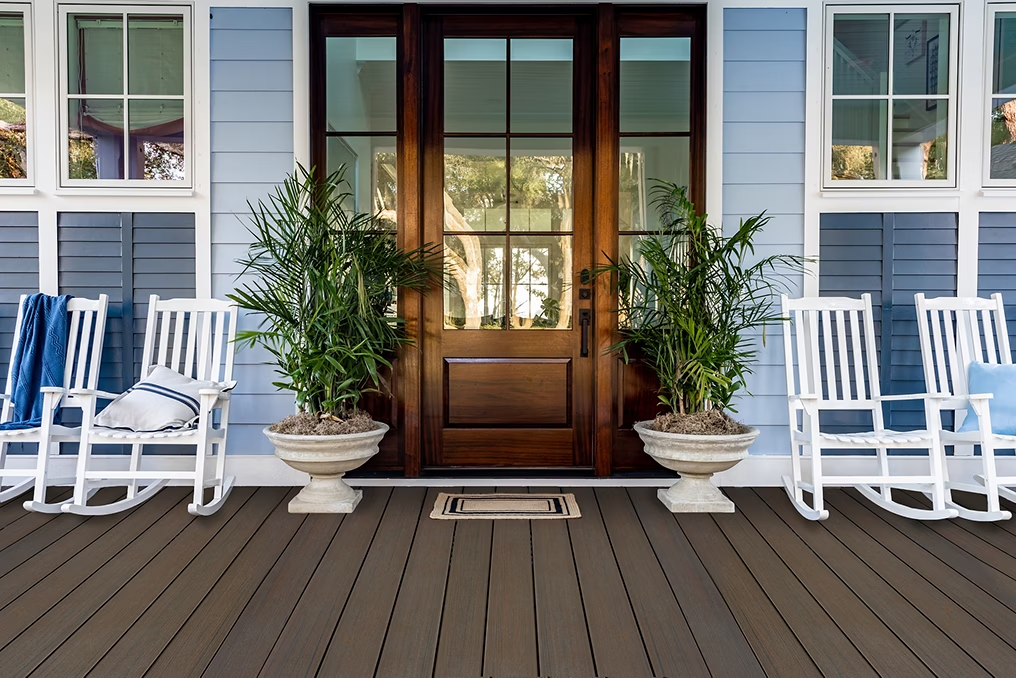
165,400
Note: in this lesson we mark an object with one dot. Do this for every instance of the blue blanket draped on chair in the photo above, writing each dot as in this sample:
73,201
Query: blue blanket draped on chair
38,358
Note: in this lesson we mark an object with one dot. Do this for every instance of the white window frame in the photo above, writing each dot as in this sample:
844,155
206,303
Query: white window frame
989,68
952,99
187,96
29,181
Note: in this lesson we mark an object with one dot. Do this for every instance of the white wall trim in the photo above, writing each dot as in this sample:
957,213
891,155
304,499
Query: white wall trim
756,471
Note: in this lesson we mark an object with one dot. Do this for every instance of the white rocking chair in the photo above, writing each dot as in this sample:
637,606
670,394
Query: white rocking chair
956,331
833,340
208,327
87,329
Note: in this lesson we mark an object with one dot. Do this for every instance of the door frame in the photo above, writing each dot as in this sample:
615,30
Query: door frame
612,443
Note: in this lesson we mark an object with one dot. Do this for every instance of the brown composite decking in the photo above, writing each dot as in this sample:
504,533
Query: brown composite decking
628,590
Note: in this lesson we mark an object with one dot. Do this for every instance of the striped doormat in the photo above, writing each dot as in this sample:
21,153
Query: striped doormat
504,506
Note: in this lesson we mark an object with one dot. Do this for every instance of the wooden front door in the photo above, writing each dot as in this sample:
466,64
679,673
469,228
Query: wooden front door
508,188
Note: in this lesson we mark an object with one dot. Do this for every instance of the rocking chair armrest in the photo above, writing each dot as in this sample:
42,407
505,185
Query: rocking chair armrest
52,389
914,396
977,396
93,393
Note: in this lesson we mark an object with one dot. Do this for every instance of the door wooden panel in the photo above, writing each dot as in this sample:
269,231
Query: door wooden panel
505,392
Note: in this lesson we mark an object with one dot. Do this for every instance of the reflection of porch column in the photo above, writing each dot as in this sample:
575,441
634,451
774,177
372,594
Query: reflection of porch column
910,161
109,156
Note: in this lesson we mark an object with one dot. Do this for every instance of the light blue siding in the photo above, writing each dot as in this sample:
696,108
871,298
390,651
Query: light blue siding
763,169
252,151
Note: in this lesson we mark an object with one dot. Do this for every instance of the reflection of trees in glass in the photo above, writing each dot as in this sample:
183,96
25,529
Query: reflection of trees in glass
631,192
386,194
853,162
13,149
475,197
163,161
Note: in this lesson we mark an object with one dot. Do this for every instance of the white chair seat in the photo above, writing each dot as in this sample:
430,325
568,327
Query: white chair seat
872,438
176,434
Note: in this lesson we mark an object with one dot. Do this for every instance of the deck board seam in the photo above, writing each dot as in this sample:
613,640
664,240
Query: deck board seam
166,587
398,589
916,574
670,586
150,603
359,570
59,564
766,593
444,601
282,628
582,599
169,641
624,585
268,571
848,586
87,579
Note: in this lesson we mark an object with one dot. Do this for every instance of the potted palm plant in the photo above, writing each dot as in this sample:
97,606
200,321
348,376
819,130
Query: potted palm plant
691,303
323,279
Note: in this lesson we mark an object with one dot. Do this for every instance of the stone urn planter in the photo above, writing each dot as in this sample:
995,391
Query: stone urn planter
696,458
326,459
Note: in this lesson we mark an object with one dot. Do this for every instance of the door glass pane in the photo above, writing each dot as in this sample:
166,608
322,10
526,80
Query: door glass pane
13,141
541,88
1004,74
155,54
475,87
541,282
95,138
360,84
371,173
95,54
920,138
860,54
475,185
859,139
921,54
541,185
156,141
655,84
642,160
474,296
1003,136
12,53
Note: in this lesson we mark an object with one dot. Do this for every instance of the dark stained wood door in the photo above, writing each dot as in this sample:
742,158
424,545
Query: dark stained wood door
508,357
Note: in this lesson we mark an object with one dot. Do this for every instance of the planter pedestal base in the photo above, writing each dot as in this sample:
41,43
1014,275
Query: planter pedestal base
695,494
326,494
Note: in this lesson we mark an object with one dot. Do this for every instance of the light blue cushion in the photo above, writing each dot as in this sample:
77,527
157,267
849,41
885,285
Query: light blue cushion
1000,381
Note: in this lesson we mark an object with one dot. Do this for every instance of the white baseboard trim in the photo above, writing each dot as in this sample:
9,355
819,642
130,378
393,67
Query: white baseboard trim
755,471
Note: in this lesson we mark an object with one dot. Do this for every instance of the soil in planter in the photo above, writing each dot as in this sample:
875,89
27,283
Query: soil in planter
709,423
306,424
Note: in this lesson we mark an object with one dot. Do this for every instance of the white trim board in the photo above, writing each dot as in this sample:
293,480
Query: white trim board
756,471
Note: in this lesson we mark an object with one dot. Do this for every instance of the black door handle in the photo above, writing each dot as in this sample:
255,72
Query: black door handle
585,320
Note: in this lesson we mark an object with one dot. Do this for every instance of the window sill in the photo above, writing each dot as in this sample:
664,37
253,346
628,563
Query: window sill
998,192
18,190
902,192
112,192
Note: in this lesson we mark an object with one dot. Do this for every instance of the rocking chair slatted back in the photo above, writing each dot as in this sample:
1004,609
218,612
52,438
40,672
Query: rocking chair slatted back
191,337
830,351
84,347
954,332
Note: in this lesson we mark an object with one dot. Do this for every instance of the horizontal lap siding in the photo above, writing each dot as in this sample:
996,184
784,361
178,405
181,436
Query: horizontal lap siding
996,270
252,151
763,169
19,274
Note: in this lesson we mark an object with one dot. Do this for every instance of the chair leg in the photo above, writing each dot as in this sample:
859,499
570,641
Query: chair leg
883,467
80,498
135,466
795,490
991,489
